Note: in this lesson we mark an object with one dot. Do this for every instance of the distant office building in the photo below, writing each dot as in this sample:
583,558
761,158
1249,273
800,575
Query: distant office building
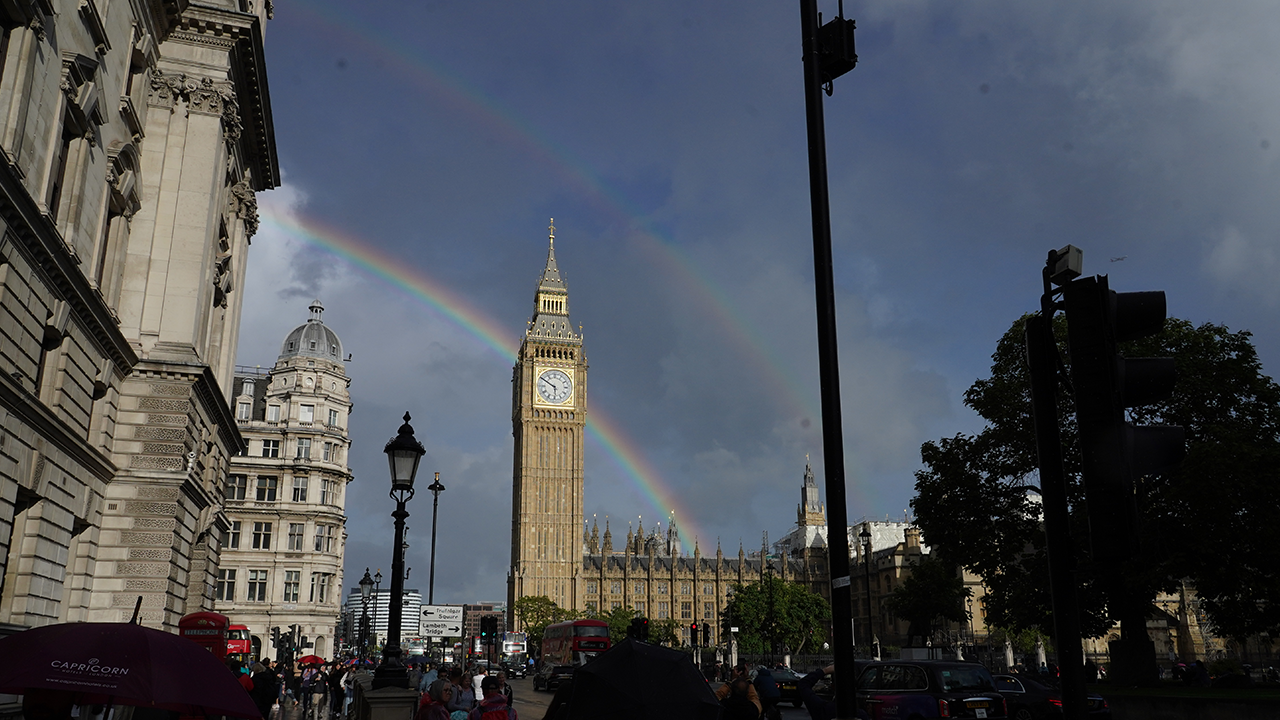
285,498
380,613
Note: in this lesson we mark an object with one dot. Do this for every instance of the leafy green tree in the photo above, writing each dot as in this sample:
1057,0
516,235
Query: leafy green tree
619,620
664,632
933,591
1204,520
772,609
535,613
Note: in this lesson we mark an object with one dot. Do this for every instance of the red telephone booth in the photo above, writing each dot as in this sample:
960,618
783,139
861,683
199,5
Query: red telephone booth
208,629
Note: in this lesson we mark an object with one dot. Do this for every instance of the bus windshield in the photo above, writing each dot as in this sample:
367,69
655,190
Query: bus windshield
591,631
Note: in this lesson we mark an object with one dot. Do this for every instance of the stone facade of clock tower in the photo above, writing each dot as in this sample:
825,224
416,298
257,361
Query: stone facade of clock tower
548,416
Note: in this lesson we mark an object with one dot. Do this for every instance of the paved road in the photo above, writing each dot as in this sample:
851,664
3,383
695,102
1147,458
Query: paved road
532,705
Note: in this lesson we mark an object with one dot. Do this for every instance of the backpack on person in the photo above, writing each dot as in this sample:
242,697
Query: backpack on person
499,712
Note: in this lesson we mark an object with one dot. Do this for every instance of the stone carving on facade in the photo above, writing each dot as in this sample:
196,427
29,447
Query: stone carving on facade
244,203
205,96
37,26
166,88
222,279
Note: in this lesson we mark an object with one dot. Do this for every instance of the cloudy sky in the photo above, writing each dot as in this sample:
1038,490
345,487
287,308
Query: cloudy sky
426,145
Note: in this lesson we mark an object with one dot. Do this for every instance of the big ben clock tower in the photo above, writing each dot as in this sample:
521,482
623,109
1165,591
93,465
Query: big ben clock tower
548,415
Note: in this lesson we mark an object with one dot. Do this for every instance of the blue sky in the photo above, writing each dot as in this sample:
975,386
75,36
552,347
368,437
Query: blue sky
668,141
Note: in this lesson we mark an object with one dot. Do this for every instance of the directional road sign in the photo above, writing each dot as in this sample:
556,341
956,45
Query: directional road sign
442,620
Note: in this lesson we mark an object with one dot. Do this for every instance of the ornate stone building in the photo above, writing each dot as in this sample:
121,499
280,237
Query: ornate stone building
548,415
286,497
134,136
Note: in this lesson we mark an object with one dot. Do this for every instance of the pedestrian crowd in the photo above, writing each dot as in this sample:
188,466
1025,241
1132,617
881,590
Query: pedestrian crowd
323,691
458,693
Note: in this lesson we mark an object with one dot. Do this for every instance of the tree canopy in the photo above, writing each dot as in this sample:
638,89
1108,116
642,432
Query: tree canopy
1205,521
933,591
788,613
535,613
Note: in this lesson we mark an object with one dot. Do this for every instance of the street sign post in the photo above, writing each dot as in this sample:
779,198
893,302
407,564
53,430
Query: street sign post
442,621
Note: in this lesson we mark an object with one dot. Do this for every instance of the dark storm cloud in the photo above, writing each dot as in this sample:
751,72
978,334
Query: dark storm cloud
668,141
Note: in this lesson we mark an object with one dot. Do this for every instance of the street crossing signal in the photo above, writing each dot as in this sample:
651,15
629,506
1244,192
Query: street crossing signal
693,633
706,634
275,637
1116,453
639,629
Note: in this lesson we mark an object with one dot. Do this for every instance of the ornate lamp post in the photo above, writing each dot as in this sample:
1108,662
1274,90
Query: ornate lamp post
366,592
865,536
403,453
377,592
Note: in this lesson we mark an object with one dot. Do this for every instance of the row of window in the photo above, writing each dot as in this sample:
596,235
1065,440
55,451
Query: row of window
258,582
306,413
267,487
330,451
664,611
659,588
326,537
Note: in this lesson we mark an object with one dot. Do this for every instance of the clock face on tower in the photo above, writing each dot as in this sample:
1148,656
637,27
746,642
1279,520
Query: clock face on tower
554,386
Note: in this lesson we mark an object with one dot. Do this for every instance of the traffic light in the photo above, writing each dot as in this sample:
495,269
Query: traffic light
1116,453
706,634
693,633
639,629
275,637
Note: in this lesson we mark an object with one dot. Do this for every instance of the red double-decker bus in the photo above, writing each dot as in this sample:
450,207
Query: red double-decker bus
574,642
239,643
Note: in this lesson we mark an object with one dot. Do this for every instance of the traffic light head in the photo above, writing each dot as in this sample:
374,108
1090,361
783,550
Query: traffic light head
639,629
1114,452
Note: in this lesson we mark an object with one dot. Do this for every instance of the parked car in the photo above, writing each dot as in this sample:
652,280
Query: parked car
929,689
1031,699
549,677
786,678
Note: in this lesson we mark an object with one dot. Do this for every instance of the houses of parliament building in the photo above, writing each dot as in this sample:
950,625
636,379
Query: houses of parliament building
553,553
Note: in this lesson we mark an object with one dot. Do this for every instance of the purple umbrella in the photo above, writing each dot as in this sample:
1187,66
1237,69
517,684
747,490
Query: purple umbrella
124,664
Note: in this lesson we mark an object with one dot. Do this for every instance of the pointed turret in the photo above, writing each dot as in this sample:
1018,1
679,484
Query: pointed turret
608,539
811,512
595,535
550,320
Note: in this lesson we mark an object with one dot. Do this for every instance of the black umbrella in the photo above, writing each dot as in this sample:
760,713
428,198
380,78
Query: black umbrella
638,681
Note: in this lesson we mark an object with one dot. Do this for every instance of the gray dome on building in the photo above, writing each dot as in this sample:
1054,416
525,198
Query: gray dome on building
313,339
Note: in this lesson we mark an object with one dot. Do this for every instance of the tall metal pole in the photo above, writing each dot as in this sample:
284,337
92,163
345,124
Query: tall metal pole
392,673
435,489
828,368
1042,363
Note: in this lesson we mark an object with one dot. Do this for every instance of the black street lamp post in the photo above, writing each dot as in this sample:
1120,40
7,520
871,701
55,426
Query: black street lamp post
436,488
366,592
377,612
865,535
403,453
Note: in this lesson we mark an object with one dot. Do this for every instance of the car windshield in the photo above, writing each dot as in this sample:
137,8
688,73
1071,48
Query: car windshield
966,679
1004,683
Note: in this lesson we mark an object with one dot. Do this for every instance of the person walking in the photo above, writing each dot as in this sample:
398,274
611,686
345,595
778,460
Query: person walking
494,705
435,703
336,691
463,697
506,688
740,671
266,689
735,705
767,688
